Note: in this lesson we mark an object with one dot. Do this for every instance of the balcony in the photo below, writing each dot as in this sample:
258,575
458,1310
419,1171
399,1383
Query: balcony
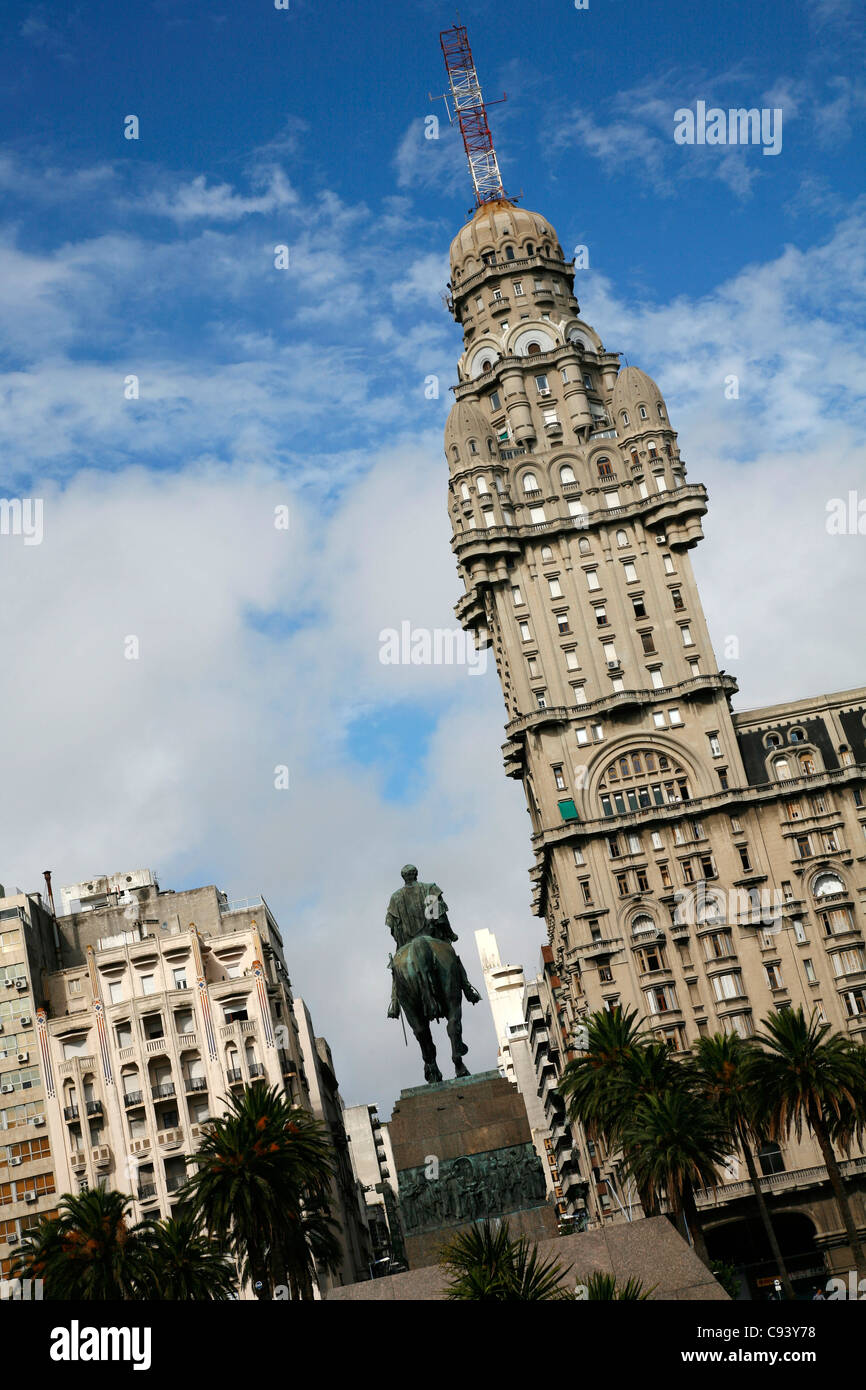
101,1155
234,1075
195,1083
133,1098
147,1192
163,1091
169,1138
176,1181
604,947
774,1182
77,1161
93,1107
70,1112
257,1069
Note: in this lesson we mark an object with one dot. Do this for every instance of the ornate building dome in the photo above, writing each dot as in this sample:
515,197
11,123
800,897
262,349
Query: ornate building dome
496,227
634,389
464,427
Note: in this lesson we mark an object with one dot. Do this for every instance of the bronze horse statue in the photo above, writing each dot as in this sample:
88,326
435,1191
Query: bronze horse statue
428,978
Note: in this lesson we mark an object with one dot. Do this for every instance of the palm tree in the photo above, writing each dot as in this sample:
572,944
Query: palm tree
186,1263
614,1040
675,1140
604,1288
801,1077
722,1072
485,1264
89,1250
262,1168
621,1063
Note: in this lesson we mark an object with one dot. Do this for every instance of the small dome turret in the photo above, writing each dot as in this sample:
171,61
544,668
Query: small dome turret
465,427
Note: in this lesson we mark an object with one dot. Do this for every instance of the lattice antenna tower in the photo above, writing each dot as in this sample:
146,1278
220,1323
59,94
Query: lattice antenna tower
471,113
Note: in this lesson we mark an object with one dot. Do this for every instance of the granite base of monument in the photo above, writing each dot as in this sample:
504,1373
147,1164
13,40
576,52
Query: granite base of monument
463,1152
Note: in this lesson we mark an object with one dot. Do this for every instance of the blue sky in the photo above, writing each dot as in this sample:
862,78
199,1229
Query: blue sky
304,388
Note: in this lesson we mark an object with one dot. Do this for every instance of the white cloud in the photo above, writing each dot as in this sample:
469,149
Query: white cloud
200,201
169,760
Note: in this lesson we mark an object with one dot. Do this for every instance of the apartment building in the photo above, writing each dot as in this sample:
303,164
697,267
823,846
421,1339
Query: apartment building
373,1164
127,1023
347,1196
702,865
29,1180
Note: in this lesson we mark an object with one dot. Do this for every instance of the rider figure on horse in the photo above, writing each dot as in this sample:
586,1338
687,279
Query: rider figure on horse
419,909
428,978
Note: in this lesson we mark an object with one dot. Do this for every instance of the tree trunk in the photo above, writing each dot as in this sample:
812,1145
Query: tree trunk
837,1183
765,1218
690,1215
259,1275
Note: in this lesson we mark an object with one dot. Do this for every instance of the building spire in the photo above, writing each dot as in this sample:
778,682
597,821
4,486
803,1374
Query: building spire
471,114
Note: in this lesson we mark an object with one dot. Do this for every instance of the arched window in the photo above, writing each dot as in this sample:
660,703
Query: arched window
796,736
642,412
661,411
635,461
622,539
651,447
530,249
546,552
782,769
530,483
455,454
773,741
473,447
807,764
643,926
481,484
637,781
624,418
605,468
464,492
827,885
532,349
566,474
546,250
583,546
846,756
509,253
490,448
486,364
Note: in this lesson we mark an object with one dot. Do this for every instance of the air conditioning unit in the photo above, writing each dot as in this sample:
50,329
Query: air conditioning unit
25,1020
30,1198
661,540
544,391
6,1090
12,1240
38,1121
15,1162
21,984
9,983
612,665
23,1056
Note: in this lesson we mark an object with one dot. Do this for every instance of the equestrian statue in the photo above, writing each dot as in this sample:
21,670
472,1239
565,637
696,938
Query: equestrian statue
428,979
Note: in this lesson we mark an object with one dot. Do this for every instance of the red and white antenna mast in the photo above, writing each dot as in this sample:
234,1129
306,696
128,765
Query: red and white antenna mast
471,114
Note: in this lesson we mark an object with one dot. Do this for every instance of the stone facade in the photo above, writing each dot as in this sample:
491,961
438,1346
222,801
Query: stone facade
700,865
463,1151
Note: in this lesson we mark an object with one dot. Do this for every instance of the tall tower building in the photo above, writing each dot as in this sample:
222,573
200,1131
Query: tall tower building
700,865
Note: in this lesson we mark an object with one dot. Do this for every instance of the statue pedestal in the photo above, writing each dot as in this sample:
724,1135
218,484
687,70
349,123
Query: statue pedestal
463,1151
